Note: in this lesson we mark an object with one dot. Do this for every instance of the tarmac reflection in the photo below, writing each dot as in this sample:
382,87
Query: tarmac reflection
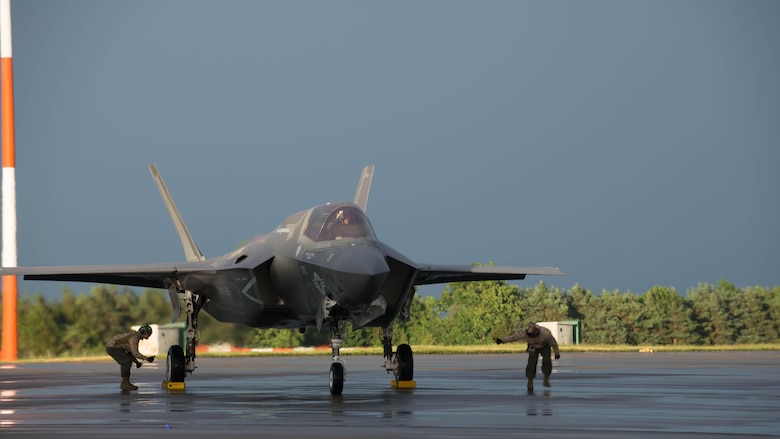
605,396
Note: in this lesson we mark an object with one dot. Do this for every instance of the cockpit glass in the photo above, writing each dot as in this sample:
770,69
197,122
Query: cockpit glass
336,221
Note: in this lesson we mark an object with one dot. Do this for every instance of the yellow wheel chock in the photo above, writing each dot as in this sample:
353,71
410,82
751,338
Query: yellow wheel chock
173,385
403,384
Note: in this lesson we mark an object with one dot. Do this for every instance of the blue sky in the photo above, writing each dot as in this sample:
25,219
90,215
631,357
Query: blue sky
631,144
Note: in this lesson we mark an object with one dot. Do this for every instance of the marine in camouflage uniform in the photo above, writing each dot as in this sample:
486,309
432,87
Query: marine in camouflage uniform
540,341
124,349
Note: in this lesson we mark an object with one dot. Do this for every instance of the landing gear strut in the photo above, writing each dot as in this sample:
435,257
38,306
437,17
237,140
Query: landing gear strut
400,363
179,363
338,372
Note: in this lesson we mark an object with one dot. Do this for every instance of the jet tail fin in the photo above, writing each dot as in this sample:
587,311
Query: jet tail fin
364,187
191,250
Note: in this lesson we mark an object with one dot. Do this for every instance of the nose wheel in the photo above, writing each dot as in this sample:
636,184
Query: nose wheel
336,378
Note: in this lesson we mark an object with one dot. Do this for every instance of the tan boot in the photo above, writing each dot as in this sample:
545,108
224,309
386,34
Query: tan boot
127,385
547,381
530,384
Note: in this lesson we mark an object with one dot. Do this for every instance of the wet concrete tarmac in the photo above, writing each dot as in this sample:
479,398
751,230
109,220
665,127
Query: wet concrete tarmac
593,395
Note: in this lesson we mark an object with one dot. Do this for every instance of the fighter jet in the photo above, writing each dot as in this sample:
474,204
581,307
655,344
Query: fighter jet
322,267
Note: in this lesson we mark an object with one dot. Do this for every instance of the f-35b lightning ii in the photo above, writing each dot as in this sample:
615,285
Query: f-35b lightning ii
321,267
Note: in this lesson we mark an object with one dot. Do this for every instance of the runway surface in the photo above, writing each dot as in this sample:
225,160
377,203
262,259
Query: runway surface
593,395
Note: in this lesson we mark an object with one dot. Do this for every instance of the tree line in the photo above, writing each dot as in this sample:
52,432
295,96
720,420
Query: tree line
468,313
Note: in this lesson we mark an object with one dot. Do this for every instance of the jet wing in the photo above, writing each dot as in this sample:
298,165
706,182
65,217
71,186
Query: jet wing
144,275
439,274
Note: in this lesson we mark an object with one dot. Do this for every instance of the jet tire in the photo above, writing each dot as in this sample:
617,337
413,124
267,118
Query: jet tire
405,362
336,378
174,367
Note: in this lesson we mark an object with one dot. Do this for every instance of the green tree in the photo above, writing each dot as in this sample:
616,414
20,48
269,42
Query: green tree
759,318
580,302
714,311
466,313
37,328
478,311
424,326
92,319
667,318
540,304
773,313
277,338
154,306
211,331
312,337
612,318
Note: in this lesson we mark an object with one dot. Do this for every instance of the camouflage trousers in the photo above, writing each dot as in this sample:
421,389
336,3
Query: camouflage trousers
124,358
533,360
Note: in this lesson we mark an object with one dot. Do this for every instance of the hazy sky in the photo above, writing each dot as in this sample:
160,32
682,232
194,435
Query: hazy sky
630,143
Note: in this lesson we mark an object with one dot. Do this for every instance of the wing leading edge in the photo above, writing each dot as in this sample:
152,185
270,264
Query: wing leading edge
144,275
437,274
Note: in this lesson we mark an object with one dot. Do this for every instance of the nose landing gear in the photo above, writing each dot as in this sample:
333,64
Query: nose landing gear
338,372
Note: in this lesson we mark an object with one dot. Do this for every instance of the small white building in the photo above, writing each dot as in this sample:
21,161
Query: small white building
163,337
566,332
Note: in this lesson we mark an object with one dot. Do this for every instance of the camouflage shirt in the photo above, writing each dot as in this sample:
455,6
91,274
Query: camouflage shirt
129,342
545,338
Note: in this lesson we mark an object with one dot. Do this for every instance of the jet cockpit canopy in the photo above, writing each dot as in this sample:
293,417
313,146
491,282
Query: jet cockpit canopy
332,222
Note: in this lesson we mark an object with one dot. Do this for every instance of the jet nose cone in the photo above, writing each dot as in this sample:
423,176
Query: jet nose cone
360,273
364,261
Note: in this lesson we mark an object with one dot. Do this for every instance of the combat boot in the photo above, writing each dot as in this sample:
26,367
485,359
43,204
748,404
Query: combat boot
530,384
127,385
547,381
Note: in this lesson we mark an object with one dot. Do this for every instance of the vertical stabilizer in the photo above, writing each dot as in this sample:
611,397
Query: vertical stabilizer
364,187
191,250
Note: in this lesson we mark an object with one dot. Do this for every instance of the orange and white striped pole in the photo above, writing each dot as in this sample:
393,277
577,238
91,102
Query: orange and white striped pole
10,287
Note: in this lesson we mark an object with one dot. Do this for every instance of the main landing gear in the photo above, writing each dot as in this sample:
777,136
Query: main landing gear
180,364
400,362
